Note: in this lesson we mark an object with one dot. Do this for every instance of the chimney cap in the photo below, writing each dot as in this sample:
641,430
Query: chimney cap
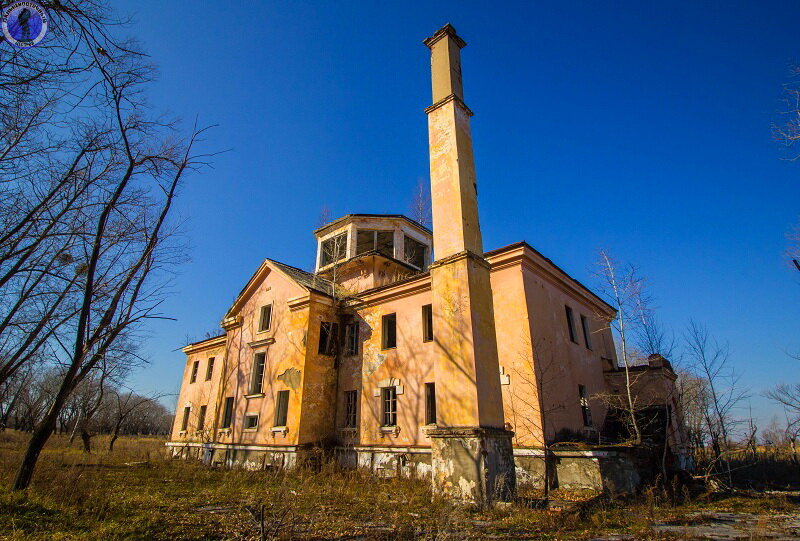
446,30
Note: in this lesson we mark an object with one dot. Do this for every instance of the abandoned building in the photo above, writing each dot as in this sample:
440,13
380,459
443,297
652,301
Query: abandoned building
411,351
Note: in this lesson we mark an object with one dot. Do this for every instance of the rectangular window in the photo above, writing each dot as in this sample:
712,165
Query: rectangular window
227,413
571,324
351,339
281,408
430,403
195,366
257,377
427,323
251,421
265,318
328,335
201,419
587,335
585,410
368,240
210,369
350,398
414,252
185,420
334,249
365,241
389,331
389,400
384,242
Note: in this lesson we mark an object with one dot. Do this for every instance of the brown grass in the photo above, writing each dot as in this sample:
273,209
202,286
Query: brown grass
108,496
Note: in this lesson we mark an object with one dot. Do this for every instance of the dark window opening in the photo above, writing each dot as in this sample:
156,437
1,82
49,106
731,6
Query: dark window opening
334,249
384,242
250,421
350,410
281,408
210,369
195,366
328,336
430,403
257,381
414,252
427,323
201,419
351,339
571,324
587,335
227,412
185,421
265,319
389,409
585,410
389,331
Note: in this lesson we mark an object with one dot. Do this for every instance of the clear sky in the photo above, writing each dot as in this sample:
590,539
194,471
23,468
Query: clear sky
643,128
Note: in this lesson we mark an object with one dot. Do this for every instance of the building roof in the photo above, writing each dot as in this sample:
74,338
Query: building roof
309,280
346,217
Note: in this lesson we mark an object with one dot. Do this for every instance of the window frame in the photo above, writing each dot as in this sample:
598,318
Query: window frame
350,409
424,247
573,336
328,339
195,369
281,409
385,334
265,310
351,339
210,368
201,417
227,412
257,383
427,323
187,410
374,246
388,406
323,262
586,410
587,338
247,416
430,403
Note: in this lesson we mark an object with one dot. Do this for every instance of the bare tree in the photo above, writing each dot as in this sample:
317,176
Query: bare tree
421,208
788,131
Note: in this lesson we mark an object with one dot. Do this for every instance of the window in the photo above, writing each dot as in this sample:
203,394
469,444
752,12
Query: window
430,403
389,400
251,421
571,324
587,336
227,412
210,369
350,398
351,339
185,421
265,318
389,331
380,241
195,366
427,323
414,252
584,400
334,249
281,408
201,419
328,334
257,378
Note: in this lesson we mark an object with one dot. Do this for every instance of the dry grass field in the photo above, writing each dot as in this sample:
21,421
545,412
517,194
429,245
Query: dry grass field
139,493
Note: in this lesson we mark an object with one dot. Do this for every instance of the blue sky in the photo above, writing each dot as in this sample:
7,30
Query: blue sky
643,128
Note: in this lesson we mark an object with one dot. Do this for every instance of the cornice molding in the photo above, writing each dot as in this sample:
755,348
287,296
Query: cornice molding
445,101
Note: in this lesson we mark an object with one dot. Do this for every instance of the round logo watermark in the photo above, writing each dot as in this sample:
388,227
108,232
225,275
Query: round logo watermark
24,23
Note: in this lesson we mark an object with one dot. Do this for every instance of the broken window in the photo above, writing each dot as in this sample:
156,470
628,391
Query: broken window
210,369
427,323
334,249
195,366
351,339
368,240
587,337
227,412
571,324
389,400
328,334
265,318
185,421
389,331
257,378
585,410
414,252
201,419
281,408
350,408
430,403
251,421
